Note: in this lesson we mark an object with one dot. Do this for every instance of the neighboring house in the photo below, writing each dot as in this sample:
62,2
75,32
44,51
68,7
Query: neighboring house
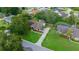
75,34
34,10
62,12
62,28
37,25
8,19
43,8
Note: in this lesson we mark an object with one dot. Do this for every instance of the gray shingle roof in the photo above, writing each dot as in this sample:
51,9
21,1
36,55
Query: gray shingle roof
62,28
75,33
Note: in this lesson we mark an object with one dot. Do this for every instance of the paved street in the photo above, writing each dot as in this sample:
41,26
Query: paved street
28,46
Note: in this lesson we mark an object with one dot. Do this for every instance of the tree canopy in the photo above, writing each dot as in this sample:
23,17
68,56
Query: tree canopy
20,25
10,42
75,8
10,10
49,16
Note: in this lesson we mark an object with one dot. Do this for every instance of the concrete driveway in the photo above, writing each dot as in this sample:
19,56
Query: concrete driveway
39,42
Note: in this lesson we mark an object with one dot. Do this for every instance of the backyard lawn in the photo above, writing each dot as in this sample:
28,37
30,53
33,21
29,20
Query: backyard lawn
32,36
56,42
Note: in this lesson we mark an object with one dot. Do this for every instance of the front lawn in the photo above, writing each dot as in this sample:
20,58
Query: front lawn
56,42
32,36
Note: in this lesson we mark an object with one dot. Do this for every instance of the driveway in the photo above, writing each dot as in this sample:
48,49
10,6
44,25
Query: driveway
39,42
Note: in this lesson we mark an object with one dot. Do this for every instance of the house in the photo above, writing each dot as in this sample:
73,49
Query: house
8,19
62,28
35,10
32,10
63,14
62,11
37,25
75,34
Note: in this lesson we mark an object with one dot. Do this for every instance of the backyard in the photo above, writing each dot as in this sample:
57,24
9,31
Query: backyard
32,36
56,42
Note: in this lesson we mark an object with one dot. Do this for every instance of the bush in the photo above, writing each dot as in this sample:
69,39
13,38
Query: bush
2,28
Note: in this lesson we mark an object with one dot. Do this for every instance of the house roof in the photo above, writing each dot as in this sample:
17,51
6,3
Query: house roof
37,24
8,19
62,28
75,33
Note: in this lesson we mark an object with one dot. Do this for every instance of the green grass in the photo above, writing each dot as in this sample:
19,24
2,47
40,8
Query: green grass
56,42
32,37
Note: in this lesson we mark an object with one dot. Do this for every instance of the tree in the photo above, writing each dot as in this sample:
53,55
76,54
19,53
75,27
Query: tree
75,8
3,25
49,16
69,33
69,20
20,25
10,10
74,18
10,42
39,15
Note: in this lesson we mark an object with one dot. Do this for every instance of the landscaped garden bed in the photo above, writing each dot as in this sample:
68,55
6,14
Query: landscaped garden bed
32,36
55,41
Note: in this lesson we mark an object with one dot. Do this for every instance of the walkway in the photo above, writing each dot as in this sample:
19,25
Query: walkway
39,42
